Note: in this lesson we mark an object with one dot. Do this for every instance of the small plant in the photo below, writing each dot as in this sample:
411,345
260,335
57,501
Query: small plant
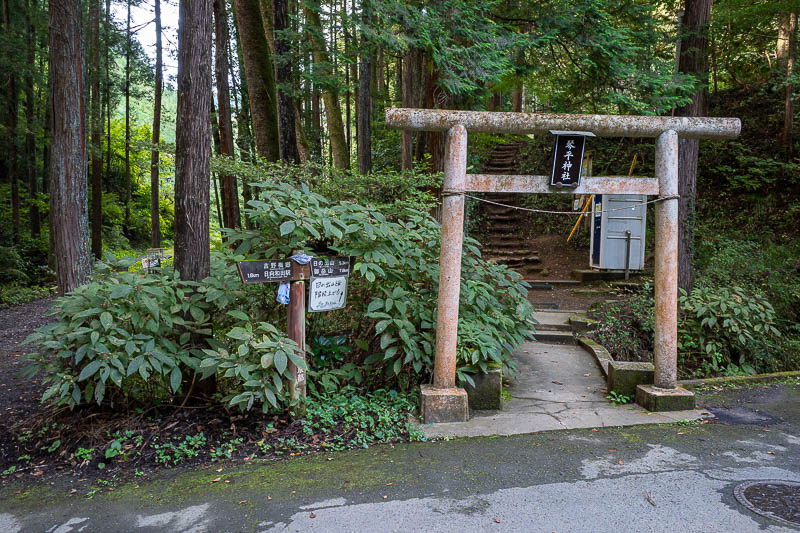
84,454
56,444
225,450
618,399
10,470
114,449
178,451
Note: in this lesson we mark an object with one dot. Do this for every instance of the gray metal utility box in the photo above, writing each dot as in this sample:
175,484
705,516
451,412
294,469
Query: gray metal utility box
613,215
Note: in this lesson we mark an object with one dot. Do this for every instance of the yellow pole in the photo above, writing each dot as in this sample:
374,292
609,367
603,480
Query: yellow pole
580,217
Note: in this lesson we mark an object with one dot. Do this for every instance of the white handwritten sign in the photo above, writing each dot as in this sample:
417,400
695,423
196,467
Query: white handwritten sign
327,294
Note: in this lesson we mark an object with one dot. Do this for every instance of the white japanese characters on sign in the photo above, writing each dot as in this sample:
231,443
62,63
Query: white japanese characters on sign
327,294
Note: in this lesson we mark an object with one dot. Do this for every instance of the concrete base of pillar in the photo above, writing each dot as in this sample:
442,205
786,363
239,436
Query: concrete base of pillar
654,398
443,405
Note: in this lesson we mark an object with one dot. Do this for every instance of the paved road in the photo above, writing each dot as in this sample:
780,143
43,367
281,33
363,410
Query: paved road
643,478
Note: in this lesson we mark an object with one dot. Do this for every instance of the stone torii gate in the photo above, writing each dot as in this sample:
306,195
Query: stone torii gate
442,401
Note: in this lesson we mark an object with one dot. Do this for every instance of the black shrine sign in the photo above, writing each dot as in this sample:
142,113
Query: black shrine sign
568,158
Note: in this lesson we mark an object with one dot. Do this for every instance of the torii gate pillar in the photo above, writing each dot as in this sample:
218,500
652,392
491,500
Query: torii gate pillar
443,401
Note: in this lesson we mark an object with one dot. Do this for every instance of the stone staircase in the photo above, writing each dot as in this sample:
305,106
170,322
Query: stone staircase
503,243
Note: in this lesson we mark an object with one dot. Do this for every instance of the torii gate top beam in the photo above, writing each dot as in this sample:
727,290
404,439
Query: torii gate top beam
600,125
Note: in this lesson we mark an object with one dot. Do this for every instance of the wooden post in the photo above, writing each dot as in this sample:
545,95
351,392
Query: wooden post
296,326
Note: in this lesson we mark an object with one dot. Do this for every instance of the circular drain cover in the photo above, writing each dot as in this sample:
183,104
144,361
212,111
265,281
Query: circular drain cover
775,499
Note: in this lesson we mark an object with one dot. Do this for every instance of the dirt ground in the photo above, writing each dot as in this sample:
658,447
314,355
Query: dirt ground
19,395
558,260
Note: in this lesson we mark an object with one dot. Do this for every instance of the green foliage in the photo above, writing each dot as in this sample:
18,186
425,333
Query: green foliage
618,399
726,330
15,294
142,338
84,454
141,333
176,451
626,328
769,268
381,416
395,280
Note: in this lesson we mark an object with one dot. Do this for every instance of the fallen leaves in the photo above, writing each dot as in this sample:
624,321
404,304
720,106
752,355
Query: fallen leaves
216,480
242,502
650,499
557,382
312,515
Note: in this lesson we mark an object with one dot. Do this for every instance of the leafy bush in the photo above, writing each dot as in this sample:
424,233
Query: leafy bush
626,328
767,268
397,283
726,330
144,338
142,333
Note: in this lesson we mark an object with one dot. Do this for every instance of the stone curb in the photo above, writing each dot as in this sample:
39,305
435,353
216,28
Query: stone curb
726,380
603,359
600,354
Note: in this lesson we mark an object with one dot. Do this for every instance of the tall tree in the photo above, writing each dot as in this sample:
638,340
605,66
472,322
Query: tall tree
788,107
324,74
260,78
692,61
108,86
68,192
128,118
30,117
193,141
230,195
365,97
155,181
11,139
96,151
407,153
283,79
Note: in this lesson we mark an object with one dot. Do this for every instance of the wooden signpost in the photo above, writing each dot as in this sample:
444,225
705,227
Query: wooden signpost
328,291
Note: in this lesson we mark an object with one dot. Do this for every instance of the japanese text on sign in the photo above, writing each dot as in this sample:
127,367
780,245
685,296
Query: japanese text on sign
327,294
322,267
567,160
261,271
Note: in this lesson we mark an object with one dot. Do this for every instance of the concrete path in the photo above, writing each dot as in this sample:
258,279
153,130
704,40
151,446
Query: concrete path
558,387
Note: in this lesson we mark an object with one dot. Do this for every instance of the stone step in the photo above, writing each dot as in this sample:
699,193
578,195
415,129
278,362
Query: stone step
509,215
504,228
554,337
517,252
600,275
557,282
513,260
554,327
501,247
528,270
